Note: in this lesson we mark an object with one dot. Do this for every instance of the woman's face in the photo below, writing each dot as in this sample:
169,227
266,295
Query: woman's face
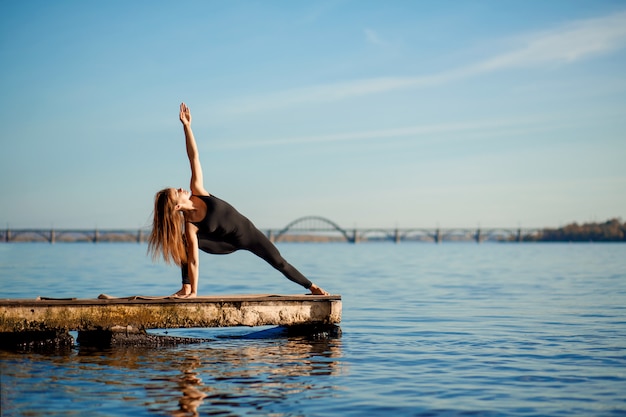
180,196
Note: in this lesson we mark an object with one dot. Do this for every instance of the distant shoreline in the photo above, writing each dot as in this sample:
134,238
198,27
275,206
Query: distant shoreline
612,230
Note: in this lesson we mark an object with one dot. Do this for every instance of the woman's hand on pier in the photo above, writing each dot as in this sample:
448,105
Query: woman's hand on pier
185,115
315,290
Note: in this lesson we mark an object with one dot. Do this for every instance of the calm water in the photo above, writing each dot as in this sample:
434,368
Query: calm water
428,330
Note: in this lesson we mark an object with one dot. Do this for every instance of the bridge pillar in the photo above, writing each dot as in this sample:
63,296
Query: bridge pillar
477,237
438,236
270,235
139,236
7,236
96,236
519,235
52,236
396,236
355,236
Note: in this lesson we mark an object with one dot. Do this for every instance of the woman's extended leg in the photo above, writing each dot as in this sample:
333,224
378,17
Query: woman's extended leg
261,246
257,243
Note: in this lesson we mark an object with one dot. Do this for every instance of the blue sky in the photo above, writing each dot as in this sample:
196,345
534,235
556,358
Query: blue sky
370,113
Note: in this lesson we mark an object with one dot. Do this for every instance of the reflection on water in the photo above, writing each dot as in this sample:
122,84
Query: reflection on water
256,375
214,378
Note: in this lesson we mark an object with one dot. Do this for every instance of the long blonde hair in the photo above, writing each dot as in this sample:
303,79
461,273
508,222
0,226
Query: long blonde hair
168,226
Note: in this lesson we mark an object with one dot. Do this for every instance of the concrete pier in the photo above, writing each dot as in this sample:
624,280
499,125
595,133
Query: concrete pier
22,320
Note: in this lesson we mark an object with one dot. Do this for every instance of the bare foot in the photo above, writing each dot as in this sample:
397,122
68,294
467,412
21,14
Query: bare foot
185,296
315,290
183,292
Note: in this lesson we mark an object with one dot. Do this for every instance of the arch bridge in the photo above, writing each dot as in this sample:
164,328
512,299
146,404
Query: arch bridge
318,225
315,228
324,226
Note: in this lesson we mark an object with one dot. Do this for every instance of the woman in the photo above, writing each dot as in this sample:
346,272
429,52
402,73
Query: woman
186,222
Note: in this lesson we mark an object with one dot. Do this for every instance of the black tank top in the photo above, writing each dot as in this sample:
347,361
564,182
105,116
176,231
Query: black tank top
221,220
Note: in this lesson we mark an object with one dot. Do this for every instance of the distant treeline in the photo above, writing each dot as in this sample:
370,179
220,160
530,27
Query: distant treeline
610,231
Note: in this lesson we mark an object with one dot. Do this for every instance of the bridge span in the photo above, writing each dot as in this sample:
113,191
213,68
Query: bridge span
321,227
307,228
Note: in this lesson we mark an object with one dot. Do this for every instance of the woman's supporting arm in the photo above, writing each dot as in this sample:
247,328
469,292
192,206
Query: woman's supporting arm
193,263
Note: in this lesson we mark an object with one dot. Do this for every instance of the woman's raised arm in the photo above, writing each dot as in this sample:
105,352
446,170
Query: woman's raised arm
197,180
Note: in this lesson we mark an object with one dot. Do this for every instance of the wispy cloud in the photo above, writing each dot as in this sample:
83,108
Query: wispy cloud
571,42
319,9
433,132
373,38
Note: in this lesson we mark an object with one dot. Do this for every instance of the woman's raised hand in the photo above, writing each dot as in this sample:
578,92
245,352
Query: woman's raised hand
185,114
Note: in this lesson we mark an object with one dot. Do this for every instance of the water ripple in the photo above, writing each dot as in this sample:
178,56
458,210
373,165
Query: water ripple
428,330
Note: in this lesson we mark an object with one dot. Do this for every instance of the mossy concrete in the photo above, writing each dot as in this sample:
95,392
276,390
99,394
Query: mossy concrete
144,313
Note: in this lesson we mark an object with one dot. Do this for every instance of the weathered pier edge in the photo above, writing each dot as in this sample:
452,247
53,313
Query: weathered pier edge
46,323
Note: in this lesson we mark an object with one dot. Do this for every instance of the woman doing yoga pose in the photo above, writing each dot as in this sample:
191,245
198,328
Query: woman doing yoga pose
188,221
